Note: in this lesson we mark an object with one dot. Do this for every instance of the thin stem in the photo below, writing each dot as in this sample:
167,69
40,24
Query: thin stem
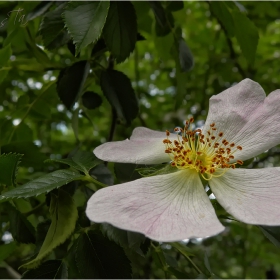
187,257
89,179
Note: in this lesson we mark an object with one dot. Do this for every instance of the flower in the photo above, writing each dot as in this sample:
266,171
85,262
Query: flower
242,122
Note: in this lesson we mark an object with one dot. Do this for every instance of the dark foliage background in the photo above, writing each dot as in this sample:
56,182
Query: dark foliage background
76,74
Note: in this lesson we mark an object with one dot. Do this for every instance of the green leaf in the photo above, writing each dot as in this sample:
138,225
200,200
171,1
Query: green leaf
222,13
64,215
5,54
39,10
120,30
31,153
20,228
81,160
6,250
183,249
51,269
52,28
185,55
182,54
91,100
164,18
207,264
247,36
272,233
117,88
9,166
94,256
85,21
43,184
70,82
126,239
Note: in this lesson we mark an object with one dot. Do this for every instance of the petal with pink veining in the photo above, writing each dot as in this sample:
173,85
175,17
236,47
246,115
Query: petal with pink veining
246,117
144,147
166,207
250,195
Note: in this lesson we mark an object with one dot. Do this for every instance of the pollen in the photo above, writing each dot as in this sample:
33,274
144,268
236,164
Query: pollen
210,155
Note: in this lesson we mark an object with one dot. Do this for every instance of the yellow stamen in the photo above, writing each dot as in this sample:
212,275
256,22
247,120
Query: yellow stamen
210,158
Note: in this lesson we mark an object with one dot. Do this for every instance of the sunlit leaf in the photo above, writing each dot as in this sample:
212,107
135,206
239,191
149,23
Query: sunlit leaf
247,36
64,215
81,160
52,28
221,11
85,21
43,184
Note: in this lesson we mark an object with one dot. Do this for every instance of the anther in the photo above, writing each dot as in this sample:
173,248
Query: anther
239,161
191,120
212,124
221,134
167,133
166,141
239,148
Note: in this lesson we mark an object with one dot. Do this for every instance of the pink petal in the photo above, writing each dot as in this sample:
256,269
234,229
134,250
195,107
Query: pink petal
144,147
166,207
246,117
250,195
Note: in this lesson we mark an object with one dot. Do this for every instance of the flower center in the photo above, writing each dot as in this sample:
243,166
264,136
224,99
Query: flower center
209,154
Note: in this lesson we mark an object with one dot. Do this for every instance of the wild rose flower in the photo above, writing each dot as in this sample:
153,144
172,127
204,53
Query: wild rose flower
242,123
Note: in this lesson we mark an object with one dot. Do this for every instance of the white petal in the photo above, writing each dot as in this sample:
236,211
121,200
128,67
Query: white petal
144,147
250,195
167,207
246,117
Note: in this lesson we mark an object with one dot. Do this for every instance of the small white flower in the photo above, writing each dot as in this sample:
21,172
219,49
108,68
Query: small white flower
242,122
